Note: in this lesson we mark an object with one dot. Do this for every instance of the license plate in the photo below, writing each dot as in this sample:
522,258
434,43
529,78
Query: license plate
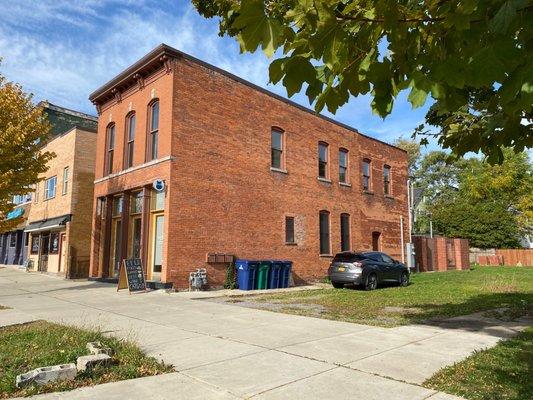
341,269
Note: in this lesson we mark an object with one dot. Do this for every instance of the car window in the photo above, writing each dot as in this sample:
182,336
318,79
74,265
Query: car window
348,257
387,259
374,256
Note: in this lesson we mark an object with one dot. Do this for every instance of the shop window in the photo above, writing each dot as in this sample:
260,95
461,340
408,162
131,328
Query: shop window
118,203
13,239
34,244
54,243
158,200
136,203
26,239
289,230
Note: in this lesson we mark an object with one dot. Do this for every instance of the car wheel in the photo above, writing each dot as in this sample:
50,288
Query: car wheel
337,285
404,279
371,282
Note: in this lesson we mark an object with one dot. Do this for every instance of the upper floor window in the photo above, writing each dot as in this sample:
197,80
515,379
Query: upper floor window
50,188
276,159
325,246
323,160
130,140
153,131
343,166
65,180
386,180
36,196
366,174
110,149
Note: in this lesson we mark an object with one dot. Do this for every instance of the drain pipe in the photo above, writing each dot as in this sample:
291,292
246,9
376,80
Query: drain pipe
401,239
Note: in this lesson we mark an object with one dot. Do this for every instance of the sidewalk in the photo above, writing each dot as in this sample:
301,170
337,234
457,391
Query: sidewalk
222,351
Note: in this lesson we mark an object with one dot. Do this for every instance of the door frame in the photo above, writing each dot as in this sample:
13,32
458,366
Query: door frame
151,244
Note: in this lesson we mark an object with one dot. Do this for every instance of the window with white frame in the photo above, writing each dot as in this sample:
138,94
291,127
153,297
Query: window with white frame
65,180
50,188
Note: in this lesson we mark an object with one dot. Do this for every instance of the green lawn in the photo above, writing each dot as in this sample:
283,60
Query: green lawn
430,295
39,344
500,373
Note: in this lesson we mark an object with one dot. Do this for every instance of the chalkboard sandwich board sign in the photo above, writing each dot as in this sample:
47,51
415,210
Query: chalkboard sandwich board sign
131,276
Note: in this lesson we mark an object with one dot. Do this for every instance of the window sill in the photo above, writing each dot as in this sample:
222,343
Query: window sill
281,171
291,244
325,180
368,192
326,255
388,196
345,184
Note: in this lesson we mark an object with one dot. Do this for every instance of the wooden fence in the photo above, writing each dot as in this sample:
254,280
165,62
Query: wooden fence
512,257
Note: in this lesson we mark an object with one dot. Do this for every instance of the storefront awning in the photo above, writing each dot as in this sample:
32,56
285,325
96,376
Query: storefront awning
47,224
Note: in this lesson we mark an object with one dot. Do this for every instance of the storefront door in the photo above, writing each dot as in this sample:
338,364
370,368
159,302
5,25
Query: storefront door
116,243
158,223
43,255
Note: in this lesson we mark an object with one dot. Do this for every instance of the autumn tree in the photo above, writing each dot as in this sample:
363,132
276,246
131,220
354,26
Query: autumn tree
23,129
473,58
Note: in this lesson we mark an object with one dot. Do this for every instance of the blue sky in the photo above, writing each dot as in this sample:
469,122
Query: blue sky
62,50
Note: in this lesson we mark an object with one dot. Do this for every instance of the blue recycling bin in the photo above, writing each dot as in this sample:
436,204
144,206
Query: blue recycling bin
246,270
285,274
274,275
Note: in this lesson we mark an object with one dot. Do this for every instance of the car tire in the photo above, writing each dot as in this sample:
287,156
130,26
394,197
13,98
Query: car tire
371,282
404,279
337,285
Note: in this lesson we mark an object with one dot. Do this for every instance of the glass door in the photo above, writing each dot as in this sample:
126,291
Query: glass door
157,245
116,242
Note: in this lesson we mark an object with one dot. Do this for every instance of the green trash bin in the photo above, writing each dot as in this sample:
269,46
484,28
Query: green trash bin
261,277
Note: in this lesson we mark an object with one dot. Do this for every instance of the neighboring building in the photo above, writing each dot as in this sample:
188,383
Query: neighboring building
13,244
59,220
246,172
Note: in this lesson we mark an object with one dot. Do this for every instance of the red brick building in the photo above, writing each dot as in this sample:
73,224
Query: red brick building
246,173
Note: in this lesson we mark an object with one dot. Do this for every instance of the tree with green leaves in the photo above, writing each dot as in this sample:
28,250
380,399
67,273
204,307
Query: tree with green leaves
412,147
23,129
473,58
491,205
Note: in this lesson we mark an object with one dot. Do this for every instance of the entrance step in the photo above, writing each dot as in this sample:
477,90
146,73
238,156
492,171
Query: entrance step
158,285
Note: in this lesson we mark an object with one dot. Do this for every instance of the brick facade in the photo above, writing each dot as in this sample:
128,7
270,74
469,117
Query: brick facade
441,253
221,193
74,150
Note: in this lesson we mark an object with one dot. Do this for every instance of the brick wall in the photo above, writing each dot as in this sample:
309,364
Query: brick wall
221,193
441,253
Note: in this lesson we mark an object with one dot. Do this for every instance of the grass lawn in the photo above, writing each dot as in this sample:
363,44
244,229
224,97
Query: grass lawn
500,373
430,295
39,344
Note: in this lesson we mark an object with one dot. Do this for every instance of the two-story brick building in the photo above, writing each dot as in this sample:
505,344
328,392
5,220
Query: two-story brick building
59,219
246,173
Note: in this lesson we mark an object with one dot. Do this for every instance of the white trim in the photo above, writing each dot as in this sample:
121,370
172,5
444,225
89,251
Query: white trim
135,168
46,228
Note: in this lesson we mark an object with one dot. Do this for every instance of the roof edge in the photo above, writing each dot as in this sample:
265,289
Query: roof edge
164,49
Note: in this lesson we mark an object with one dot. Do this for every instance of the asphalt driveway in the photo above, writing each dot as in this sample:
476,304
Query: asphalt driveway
222,351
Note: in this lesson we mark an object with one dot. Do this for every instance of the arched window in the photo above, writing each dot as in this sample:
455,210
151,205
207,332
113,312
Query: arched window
130,140
325,246
110,149
153,130
376,241
345,232
323,156
366,175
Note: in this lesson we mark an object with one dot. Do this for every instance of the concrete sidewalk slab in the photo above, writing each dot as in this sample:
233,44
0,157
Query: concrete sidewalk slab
10,317
345,384
256,373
